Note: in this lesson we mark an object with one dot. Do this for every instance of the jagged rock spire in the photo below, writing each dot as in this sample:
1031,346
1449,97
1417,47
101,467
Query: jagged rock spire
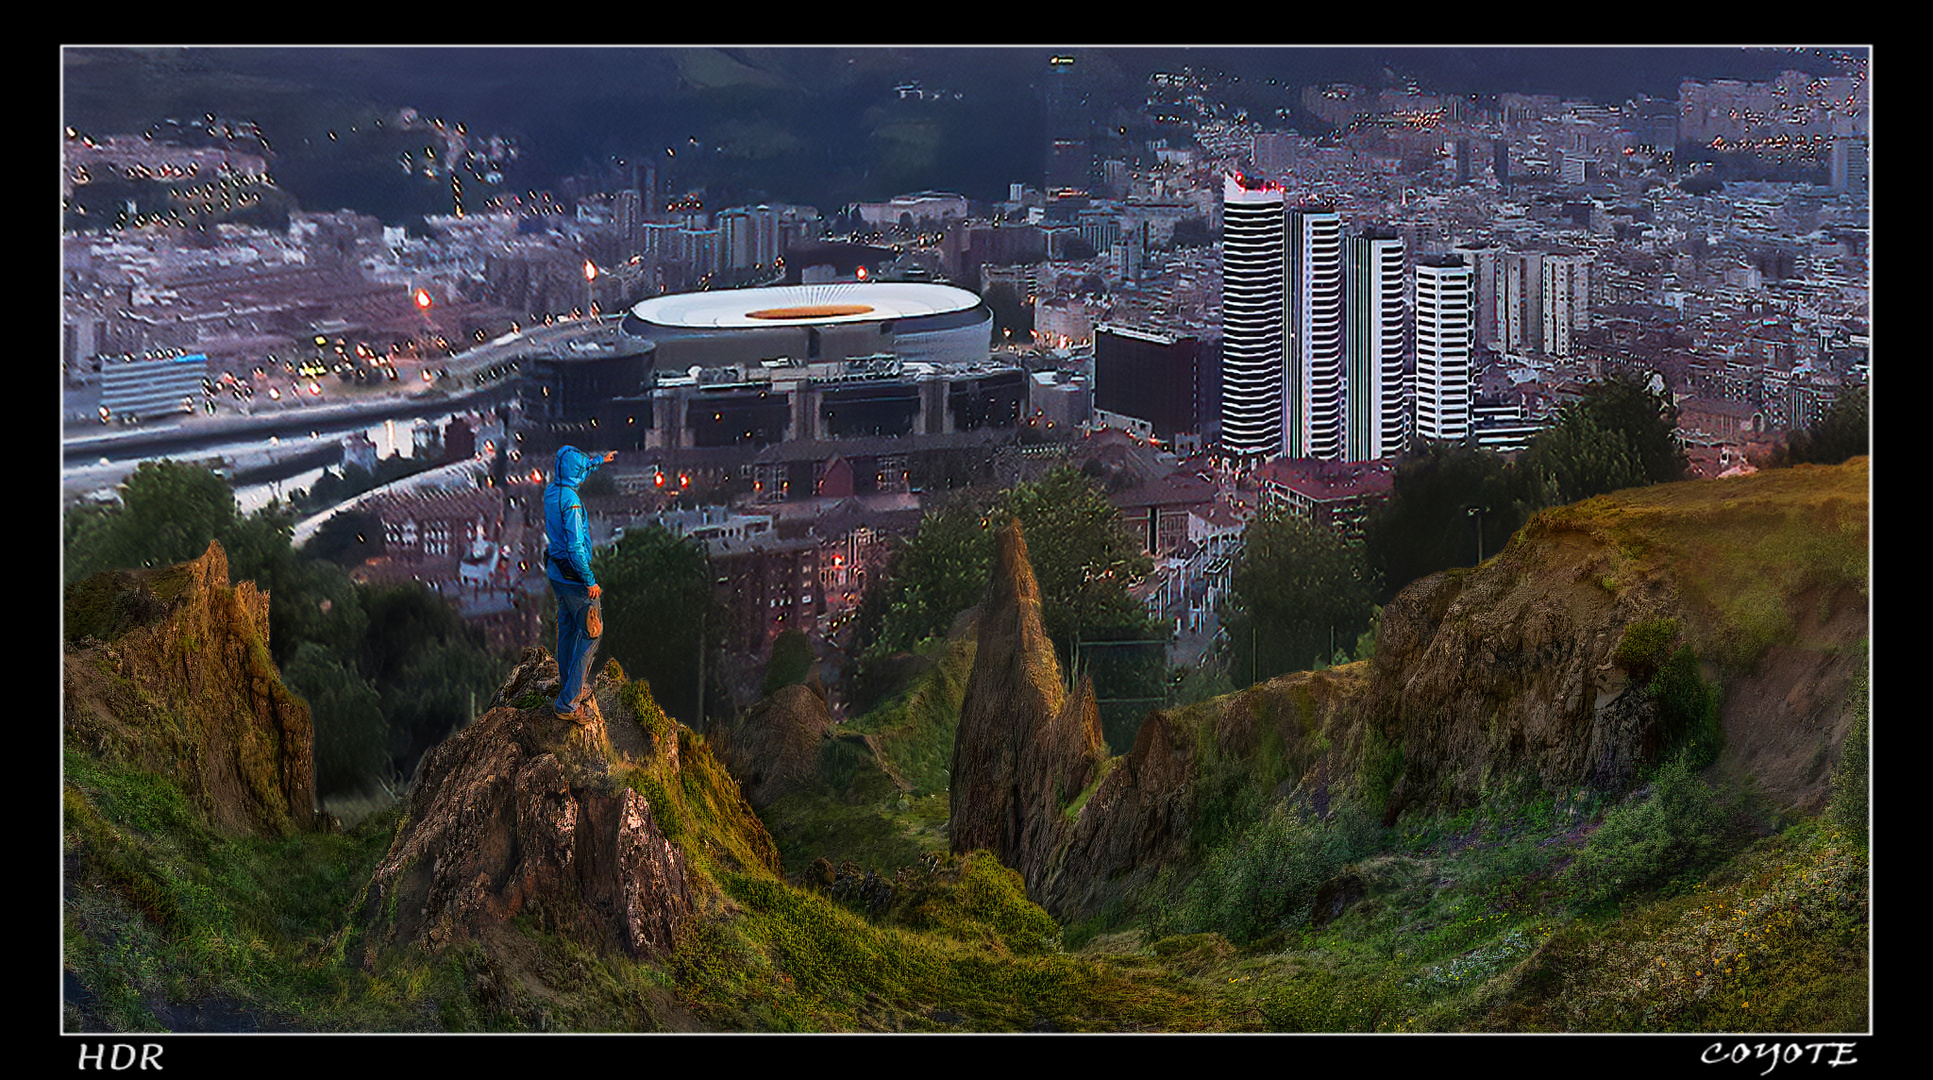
1025,745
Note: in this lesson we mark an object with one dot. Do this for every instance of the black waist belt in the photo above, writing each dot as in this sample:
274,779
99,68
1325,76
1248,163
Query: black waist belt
564,567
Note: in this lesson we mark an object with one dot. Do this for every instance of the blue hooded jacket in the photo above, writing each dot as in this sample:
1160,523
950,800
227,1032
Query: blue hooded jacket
567,530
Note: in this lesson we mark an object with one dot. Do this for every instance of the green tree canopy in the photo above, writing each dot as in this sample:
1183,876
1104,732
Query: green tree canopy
438,689
404,620
1843,432
1083,561
1297,591
938,572
348,537
791,661
1620,434
1083,558
351,734
169,512
1427,524
659,613
1012,313
313,600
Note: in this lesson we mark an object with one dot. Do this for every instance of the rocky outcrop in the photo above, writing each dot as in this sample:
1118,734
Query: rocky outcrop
774,749
1026,747
1510,668
520,813
169,671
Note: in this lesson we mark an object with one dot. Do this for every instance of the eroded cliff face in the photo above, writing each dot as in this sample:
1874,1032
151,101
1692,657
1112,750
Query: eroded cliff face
1026,747
1513,666
169,670
1510,668
519,813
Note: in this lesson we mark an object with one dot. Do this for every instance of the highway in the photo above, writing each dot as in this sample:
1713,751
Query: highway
287,439
84,445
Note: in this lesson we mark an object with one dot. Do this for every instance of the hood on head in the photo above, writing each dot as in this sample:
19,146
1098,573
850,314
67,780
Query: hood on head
573,465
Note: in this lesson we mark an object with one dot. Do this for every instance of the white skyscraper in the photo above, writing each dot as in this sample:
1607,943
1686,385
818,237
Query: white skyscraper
1313,406
1444,346
1377,419
1486,264
1520,306
1253,326
1566,296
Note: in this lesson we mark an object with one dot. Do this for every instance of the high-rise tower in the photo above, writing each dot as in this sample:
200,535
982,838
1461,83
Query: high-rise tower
1373,375
1486,264
1444,314
1253,327
1520,317
1070,157
1566,302
1313,409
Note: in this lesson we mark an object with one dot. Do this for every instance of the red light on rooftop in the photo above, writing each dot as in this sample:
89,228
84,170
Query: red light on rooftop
423,299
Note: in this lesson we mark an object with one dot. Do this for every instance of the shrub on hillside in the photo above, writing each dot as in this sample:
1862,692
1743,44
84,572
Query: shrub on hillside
1687,709
1683,827
1265,878
1848,809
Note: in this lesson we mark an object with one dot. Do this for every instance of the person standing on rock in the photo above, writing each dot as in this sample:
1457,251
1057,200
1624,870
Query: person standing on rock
567,563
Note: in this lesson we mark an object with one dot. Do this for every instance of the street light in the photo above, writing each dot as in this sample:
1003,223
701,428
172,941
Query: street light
1477,512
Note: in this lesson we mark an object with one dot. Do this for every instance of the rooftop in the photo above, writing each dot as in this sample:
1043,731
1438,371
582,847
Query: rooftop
1329,480
801,305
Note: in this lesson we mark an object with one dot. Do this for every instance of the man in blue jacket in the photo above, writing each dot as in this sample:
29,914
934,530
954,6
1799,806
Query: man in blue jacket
567,564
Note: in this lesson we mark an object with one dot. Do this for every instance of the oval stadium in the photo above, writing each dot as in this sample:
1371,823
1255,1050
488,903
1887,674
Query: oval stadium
918,322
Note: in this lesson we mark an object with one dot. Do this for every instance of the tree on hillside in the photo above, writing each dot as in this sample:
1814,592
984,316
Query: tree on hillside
1843,432
351,734
1083,558
660,620
936,573
1013,314
791,662
1298,591
169,512
404,620
1443,493
1620,434
348,537
260,546
1191,232
440,688
1083,561
313,600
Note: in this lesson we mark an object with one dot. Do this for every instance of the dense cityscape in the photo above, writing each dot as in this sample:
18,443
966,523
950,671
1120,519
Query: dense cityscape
1459,269
1259,345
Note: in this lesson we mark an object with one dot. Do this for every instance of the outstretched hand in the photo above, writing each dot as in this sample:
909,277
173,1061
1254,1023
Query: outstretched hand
610,456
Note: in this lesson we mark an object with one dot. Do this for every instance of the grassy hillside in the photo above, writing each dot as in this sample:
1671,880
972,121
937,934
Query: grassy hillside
1688,900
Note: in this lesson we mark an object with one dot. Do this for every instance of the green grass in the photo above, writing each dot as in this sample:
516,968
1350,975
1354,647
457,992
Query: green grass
163,910
914,730
798,961
1745,551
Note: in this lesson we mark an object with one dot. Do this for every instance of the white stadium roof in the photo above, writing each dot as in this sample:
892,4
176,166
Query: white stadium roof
798,305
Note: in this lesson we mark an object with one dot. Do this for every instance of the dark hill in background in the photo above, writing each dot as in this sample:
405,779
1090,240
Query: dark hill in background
819,126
